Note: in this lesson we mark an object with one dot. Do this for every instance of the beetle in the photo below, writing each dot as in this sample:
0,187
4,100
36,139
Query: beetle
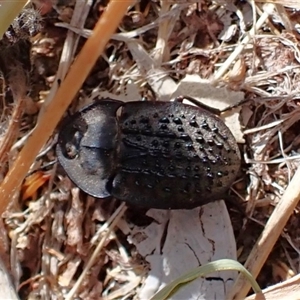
153,154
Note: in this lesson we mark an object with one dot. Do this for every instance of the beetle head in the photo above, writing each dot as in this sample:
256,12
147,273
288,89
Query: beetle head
87,146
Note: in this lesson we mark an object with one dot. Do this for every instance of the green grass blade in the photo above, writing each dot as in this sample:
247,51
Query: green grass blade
202,271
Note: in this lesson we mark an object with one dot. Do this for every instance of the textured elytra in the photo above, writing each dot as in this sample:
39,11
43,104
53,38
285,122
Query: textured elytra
166,155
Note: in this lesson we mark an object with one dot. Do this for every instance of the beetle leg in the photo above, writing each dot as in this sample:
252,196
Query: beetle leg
198,103
213,110
235,105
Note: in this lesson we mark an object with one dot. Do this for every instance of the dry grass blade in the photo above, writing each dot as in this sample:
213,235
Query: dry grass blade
237,51
269,236
93,258
81,10
9,10
53,113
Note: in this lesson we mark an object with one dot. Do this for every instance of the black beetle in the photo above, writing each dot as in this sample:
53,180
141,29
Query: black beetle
166,155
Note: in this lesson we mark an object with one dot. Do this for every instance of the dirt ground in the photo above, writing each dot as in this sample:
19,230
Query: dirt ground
51,227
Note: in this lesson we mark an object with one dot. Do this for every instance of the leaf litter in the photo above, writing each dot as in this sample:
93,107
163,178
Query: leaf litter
159,47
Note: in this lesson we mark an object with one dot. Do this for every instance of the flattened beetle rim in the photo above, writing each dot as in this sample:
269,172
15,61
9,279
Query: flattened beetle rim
64,161
89,183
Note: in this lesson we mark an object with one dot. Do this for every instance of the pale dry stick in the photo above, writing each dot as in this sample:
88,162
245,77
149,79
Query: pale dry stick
127,36
254,12
80,69
7,290
263,127
12,130
289,289
79,16
269,236
287,3
95,254
106,225
288,26
272,161
16,77
162,36
268,8
159,80
125,290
